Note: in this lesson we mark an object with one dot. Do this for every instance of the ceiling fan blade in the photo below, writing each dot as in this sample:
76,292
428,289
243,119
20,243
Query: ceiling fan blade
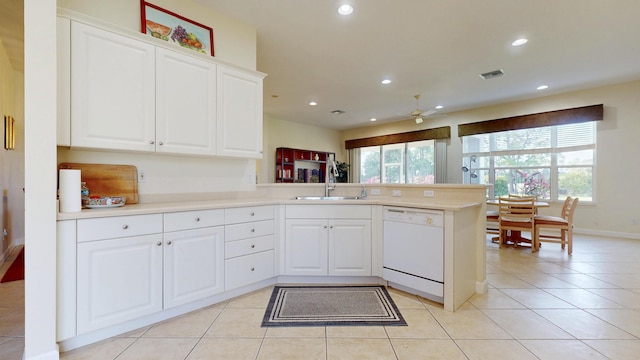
429,112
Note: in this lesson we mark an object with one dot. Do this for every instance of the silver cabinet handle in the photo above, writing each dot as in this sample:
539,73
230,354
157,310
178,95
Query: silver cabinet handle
125,226
160,143
325,226
253,230
331,227
252,213
197,219
168,242
253,269
152,142
158,243
253,246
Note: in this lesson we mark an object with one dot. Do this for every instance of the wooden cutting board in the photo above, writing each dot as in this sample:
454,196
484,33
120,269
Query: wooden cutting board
108,180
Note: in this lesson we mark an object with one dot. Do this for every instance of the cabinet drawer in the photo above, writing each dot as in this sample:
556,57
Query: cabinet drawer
186,220
248,230
248,246
245,270
246,214
328,211
118,226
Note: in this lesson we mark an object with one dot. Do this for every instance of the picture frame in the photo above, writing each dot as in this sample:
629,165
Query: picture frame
175,29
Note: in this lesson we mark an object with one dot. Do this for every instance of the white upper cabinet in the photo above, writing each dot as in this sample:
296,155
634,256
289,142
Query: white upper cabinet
112,90
185,104
131,94
239,113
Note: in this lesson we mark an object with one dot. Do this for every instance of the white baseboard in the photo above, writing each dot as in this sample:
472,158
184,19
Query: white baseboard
615,234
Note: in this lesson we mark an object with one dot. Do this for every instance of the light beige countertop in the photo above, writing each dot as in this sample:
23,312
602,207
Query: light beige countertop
176,206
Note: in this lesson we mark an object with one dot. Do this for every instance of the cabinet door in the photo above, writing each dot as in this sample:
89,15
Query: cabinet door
193,265
185,104
350,247
63,54
306,247
118,280
239,113
112,90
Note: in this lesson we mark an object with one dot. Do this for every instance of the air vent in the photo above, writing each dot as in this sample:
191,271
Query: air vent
337,112
492,74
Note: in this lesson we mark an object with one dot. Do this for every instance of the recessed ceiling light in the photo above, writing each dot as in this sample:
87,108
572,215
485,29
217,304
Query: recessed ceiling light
386,82
373,119
313,103
542,87
345,9
519,42
439,107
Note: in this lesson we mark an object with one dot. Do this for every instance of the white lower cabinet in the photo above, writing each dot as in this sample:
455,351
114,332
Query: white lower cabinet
128,268
118,280
249,245
193,265
328,240
350,247
306,247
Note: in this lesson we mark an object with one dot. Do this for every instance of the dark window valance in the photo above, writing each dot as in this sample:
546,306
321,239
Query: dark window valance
549,118
428,134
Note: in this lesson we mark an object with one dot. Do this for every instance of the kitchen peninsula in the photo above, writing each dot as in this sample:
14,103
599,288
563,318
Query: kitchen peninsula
124,268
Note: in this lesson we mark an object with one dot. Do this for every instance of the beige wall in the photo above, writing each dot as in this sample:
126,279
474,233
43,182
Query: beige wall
280,133
615,210
234,42
11,161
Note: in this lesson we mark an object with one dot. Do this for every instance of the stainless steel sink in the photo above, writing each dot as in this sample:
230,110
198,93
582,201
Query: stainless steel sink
326,198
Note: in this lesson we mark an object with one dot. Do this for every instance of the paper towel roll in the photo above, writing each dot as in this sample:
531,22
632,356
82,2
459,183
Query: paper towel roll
70,191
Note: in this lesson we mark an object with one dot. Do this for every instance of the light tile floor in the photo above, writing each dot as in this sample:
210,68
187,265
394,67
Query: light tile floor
546,305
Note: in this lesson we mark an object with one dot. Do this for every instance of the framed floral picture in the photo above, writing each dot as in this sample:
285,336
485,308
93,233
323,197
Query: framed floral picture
176,29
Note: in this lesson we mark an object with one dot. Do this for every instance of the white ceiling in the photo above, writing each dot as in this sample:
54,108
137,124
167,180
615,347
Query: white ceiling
435,48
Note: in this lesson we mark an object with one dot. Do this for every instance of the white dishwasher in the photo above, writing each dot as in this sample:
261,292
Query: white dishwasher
413,251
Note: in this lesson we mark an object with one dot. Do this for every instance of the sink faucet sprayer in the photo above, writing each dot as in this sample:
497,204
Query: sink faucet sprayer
331,178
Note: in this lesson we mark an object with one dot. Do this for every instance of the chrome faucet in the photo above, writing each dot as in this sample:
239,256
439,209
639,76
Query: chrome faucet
331,176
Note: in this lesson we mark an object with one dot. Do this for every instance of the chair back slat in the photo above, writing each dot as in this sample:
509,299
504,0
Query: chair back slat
516,209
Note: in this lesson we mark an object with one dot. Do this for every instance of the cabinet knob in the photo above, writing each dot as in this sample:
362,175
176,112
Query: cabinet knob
159,243
160,143
125,226
331,227
253,269
152,142
197,219
325,226
252,213
168,242
253,230
253,246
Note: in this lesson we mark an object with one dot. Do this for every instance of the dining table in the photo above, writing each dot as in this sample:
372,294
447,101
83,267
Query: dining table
514,236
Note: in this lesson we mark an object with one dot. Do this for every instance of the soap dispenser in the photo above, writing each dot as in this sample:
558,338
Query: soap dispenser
363,193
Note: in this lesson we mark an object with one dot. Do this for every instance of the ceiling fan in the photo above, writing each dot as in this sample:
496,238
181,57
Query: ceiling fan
420,115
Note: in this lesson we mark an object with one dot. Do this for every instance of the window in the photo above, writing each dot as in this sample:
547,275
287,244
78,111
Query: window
550,162
410,163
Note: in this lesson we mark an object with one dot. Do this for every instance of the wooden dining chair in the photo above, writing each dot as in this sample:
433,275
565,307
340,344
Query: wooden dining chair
516,214
493,227
563,223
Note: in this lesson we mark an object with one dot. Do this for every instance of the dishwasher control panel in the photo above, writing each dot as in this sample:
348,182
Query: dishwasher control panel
414,216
